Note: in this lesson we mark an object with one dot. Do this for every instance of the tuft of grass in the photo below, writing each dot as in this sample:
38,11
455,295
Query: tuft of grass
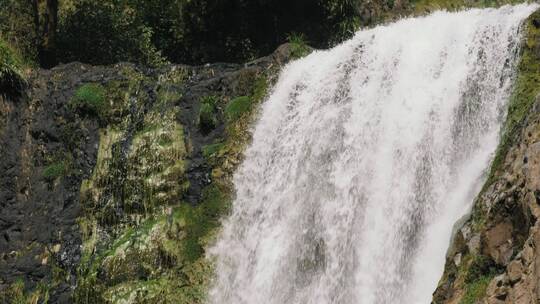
11,76
90,97
55,170
476,290
208,113
237,107
299,45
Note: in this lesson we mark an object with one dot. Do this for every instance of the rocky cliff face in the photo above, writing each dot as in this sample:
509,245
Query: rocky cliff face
494,256
114,178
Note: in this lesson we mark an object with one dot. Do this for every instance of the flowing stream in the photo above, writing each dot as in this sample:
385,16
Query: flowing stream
363,158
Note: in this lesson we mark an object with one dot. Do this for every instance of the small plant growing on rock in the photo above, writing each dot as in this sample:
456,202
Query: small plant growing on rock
237,107
299,46
90,97
55,170
208,114
476,290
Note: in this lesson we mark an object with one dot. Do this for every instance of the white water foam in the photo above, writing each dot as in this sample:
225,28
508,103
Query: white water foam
364,157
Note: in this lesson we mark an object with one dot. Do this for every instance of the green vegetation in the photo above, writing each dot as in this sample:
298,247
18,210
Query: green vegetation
55,170
473,275
16,294
141,242
193,32
202,220
212,149
237,107
11,78
164,255
208,113
299,45
476,290
90,97
478,267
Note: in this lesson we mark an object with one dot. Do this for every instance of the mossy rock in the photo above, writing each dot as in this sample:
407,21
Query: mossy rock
55,170
141,242
160,260
90,98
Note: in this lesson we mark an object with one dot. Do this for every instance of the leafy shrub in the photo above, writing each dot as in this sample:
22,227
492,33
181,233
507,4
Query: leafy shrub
185,31
90,97
17,28
106,32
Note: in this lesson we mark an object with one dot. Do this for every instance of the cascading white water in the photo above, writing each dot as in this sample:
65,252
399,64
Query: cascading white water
363,158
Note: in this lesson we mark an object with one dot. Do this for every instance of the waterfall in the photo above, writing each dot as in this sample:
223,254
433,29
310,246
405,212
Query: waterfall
363,158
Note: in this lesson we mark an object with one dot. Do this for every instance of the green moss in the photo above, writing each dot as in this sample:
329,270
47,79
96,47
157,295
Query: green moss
208,119
200,221
90,97
299,46
55,170
237,107
476,290
212,149
526,88
11,76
